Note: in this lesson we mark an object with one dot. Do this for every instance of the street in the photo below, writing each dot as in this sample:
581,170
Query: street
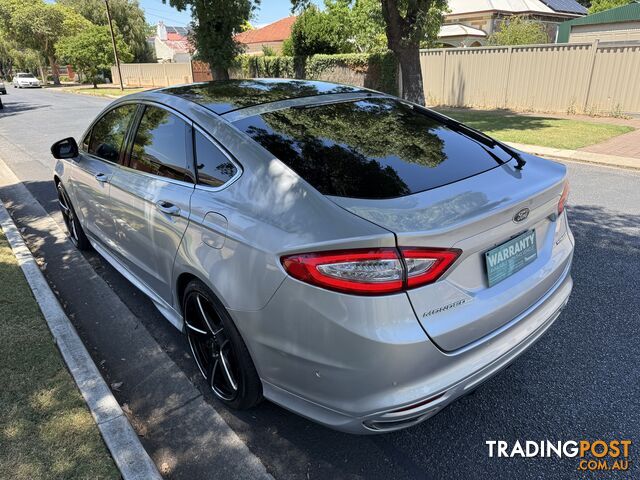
580,381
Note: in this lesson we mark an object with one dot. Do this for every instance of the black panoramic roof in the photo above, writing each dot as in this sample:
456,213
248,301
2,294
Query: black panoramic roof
225,96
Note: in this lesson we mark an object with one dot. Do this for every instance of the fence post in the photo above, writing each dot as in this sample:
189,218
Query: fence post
166,77
444,76
506,85
191,70
593,66
139,75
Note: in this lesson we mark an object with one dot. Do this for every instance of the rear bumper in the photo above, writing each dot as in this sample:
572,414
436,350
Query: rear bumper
455,376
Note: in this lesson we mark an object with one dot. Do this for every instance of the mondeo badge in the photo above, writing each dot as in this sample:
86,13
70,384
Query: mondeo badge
521,215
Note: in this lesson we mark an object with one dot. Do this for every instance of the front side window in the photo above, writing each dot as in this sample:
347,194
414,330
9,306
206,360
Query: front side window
108,134
214,167
160,145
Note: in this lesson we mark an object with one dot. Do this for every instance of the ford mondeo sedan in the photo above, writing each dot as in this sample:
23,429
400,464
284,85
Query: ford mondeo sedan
357,259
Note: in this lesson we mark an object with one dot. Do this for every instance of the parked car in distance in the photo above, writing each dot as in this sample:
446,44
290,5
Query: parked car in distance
356,258
25,80
3,88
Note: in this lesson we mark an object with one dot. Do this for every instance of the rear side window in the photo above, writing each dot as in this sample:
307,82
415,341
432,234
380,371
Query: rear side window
107,136
213,167
160,146
373,148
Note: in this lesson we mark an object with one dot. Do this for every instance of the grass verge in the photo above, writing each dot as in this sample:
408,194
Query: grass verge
109,92
550,132
46,430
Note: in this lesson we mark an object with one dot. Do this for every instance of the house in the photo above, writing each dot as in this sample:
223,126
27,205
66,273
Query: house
621,24
272,35
171,44
470,22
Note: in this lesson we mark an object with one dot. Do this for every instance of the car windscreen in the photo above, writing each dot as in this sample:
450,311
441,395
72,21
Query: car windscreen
373,148
25,75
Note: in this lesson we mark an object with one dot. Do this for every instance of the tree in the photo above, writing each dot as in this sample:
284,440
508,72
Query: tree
318,32
367,27
37,25
585,3
90,51
602,5
127,16
519,31
12,57
407,23
214,25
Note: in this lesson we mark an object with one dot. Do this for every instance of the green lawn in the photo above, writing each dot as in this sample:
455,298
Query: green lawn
102,91
537,130
46,430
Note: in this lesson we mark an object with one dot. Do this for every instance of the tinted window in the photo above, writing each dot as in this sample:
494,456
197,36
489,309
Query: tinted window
160,145
107,136
214,168
373,148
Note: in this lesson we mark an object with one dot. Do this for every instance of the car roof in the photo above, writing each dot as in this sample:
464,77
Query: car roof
227,96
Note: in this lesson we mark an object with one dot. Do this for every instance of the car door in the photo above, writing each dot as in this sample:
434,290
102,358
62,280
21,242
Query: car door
101,152
151,196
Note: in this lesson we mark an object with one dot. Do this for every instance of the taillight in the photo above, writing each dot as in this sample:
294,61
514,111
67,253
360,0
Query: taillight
563,197
370,271
426,265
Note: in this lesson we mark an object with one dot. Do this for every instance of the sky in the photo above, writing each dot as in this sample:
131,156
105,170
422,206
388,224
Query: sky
269,11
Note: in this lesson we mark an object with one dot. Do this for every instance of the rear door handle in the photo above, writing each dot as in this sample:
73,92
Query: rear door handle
167,207
101,177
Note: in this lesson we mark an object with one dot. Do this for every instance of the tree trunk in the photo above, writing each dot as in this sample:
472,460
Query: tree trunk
219,73
54,70
43,77
412,87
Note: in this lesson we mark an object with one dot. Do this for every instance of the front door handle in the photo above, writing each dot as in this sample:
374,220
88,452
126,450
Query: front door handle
101,177
168,207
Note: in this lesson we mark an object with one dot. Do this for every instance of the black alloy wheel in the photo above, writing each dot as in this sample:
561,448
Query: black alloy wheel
218,349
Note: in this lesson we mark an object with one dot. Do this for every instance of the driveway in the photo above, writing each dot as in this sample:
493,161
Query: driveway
580,381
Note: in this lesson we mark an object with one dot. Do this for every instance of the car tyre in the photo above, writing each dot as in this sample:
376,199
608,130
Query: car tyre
74,229
218,349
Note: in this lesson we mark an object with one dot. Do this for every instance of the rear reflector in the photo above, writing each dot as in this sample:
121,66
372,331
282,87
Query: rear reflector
370,271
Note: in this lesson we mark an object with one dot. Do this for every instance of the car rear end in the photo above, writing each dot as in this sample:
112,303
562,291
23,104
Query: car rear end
377,339
3,88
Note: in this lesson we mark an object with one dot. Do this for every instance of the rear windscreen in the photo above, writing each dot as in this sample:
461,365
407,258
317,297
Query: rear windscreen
373,148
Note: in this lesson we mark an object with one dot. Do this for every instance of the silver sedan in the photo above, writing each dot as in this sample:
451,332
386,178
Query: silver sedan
358,259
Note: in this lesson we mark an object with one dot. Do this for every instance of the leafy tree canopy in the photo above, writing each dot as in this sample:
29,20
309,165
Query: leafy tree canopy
215,22
127,17
407,23
602,5
36,25
91,51
318,32
519,31
15,58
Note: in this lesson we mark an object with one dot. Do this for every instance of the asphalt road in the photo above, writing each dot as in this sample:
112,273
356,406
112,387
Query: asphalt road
580,381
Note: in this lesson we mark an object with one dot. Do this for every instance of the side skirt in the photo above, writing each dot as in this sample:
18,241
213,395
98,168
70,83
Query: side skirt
163,307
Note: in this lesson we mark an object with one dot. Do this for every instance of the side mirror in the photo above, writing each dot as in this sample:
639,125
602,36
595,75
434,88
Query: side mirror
67,148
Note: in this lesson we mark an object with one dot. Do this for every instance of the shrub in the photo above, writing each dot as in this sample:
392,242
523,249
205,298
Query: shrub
380,68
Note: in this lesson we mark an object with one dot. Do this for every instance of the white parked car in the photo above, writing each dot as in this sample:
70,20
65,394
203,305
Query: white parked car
3,89
25,80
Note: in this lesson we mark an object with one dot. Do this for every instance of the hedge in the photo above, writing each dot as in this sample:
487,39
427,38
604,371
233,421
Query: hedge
380,68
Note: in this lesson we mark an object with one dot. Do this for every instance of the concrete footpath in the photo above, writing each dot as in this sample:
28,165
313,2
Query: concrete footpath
580,156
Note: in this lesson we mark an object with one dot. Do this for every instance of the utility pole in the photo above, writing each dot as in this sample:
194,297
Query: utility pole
113,41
